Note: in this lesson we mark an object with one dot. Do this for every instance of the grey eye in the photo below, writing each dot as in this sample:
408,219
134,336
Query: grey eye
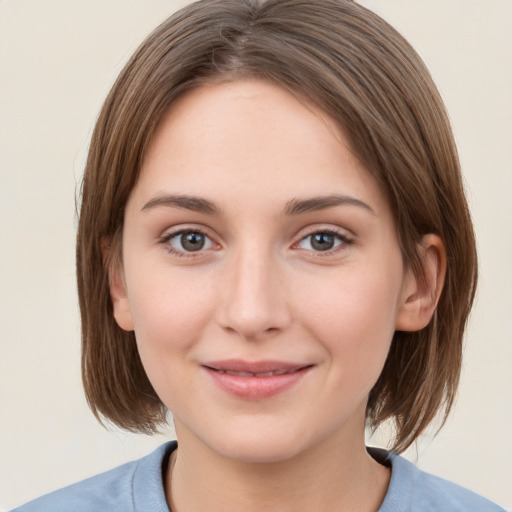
321,241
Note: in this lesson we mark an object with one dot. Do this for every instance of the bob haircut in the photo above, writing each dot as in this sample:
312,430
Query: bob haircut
353,65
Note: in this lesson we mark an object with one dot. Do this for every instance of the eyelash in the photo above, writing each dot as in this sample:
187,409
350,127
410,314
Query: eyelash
166,239
341,237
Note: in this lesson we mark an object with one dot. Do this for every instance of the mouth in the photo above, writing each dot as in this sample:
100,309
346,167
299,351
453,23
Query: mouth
256,380
254,374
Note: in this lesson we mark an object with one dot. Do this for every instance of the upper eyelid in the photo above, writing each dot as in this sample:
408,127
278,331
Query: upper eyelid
343,237
303,233
335,230
176,230
173,234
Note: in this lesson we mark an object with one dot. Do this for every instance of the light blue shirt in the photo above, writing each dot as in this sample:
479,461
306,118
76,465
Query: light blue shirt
138,487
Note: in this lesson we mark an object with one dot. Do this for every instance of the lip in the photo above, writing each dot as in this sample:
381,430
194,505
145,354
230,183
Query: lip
255,380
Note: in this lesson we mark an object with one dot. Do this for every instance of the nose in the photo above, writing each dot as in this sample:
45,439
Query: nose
254,301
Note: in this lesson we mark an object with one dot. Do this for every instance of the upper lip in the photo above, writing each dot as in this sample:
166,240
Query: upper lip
264,367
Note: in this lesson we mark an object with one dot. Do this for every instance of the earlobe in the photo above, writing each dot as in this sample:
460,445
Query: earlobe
117,286
420,296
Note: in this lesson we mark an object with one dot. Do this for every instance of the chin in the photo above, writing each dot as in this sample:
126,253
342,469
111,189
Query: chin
259,452
259,445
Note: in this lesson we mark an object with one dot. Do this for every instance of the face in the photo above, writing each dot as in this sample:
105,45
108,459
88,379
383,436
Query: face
261,274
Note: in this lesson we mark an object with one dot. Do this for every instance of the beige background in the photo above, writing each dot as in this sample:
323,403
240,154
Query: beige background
57,61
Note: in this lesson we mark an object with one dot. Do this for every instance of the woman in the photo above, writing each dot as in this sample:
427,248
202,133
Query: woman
274,245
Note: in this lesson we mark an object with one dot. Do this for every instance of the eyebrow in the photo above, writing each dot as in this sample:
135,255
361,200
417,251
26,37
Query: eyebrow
293,207
196,204
298,206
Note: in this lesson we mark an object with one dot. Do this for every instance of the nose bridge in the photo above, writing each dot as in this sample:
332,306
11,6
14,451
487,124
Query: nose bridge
254,301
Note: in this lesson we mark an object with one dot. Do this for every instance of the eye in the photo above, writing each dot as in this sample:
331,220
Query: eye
188,241
323,241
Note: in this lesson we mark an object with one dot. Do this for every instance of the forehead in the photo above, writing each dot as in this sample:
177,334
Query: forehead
248,136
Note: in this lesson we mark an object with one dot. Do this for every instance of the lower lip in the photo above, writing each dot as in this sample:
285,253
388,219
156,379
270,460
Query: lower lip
256,388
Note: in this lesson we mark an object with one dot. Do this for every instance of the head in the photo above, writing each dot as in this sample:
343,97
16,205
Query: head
344,61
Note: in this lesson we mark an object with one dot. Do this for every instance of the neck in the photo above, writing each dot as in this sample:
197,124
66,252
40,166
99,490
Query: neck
331,476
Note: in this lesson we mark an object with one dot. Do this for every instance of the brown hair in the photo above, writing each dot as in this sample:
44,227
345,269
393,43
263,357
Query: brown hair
353,65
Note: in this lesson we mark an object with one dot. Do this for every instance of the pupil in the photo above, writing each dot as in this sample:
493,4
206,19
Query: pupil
322,242
192,241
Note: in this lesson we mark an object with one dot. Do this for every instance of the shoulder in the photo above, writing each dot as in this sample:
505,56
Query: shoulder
134,486
413,489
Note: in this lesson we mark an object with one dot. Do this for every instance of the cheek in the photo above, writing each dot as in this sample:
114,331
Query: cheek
169,313
354,316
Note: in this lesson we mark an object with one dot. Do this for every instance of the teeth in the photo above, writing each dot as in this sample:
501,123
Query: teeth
249,374
239,374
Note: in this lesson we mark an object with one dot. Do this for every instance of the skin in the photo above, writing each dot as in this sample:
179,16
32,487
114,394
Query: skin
259,289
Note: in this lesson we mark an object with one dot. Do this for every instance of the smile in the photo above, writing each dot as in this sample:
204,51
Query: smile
260,374
255,380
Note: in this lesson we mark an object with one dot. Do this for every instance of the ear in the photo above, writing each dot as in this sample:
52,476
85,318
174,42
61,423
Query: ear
419,296
117,286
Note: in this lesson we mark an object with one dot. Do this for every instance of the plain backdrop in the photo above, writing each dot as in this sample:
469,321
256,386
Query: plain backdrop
58,59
